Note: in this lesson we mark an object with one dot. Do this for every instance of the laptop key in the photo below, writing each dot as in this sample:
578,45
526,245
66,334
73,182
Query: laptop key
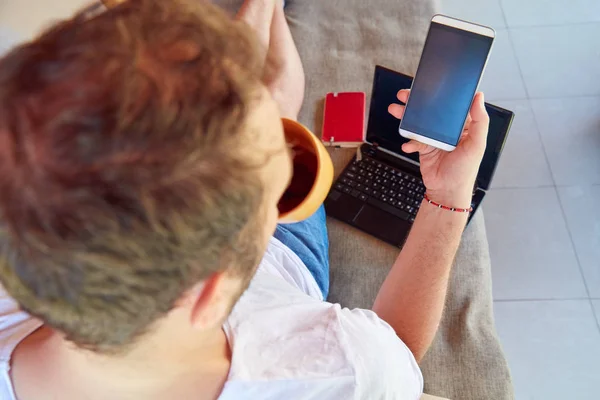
355,193
347,190
339,186
362,197
386,207
411,219
352,184
368,190
350,175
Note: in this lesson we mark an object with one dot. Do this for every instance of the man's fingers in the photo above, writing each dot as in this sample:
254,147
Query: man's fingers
413,147
396,110
403,95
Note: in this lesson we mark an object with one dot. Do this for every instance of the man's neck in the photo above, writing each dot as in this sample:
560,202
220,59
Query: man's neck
191,365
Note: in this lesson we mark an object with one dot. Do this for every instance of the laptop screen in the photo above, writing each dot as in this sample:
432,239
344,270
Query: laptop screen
383,128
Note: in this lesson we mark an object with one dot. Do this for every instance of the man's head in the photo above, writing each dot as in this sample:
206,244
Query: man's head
141,160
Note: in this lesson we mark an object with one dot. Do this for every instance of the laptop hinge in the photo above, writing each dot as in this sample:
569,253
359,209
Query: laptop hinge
374,149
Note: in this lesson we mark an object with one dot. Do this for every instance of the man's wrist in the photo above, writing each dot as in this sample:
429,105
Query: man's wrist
457,198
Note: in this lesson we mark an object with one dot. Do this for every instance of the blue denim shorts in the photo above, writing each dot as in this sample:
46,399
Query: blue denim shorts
308,239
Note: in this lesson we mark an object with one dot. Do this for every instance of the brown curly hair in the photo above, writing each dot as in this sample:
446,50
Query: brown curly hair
123,175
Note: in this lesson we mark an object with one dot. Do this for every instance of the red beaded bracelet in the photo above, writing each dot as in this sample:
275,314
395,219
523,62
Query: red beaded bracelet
433,203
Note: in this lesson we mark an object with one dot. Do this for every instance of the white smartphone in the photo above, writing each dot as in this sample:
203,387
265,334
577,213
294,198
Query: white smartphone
452,64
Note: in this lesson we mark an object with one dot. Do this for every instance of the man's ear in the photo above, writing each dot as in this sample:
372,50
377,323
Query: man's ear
209,301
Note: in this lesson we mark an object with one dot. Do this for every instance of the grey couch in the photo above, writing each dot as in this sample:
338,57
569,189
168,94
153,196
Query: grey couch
340,42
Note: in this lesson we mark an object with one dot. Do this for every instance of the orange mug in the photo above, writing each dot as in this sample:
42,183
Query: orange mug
312,176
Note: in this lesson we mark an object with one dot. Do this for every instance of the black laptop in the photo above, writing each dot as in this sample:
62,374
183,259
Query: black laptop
381,193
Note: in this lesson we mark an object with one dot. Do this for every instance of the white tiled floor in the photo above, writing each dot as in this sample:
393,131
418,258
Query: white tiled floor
542,214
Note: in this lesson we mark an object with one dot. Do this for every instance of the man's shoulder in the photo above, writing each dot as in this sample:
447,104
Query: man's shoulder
311,341
379,356
15,324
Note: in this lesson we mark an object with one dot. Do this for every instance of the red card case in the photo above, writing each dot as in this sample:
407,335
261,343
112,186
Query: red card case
344,119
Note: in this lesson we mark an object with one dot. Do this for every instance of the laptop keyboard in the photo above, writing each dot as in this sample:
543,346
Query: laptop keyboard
383,186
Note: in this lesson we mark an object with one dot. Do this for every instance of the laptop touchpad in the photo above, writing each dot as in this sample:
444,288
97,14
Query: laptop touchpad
382,224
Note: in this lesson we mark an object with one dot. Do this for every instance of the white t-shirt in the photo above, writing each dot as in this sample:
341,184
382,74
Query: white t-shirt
286,342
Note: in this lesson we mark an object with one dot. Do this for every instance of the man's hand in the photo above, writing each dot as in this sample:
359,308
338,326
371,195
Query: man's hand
284,74
449,176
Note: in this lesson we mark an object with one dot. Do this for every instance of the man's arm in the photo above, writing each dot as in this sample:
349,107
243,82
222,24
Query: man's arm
412,297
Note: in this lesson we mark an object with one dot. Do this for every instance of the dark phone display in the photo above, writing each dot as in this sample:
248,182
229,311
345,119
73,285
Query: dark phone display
383,127
446,81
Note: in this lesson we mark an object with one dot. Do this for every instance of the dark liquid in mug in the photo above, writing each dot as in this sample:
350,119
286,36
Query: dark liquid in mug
305,173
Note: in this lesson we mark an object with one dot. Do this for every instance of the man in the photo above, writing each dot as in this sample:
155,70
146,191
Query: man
142,159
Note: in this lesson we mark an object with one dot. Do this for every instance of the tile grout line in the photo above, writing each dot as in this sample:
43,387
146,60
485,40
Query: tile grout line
549,186
585,284
514,51
557,25
543,299
576,96
577,185
503,14
560,203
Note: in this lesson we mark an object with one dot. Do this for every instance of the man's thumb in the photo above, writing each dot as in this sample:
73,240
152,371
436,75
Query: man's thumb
414,146
480,121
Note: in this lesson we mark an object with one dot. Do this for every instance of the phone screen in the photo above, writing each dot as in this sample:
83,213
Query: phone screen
449,72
